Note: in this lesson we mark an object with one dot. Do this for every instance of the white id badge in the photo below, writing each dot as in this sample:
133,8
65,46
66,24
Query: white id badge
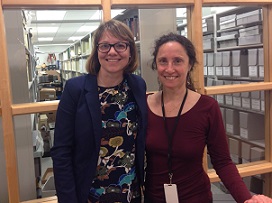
171,193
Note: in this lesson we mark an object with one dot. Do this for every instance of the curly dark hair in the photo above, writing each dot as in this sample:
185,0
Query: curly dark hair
185,43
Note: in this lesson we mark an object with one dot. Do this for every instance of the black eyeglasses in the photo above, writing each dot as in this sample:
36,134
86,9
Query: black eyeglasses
118,47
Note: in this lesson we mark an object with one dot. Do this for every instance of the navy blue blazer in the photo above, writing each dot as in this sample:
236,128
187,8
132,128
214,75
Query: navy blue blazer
78,133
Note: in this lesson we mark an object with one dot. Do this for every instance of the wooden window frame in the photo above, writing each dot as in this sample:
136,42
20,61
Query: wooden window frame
194,12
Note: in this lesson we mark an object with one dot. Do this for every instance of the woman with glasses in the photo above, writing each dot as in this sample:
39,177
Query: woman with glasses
98,152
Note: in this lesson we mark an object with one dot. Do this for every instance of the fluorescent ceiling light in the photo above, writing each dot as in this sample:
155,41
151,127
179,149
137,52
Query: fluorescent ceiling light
75,38
97,15
181,12
50,15
45,39
47,29
85,28
116,12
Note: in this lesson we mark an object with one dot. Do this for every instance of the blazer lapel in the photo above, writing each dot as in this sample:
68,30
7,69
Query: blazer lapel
94,107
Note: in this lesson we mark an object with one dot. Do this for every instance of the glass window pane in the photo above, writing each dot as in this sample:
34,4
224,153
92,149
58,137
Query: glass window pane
51,46
255,184
232,44
243,117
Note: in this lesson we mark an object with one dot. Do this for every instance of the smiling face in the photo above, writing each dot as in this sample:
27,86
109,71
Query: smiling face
172,65
112,62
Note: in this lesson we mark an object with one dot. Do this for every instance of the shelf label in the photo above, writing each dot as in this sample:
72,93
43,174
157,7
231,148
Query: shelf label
244,133
246,103
228,99
262,106
211,70
252,71
236,71
237,101
256,104
220,99
219,71
229,128
226,71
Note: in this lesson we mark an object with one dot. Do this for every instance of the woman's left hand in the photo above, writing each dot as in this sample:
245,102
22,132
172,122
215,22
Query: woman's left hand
259,199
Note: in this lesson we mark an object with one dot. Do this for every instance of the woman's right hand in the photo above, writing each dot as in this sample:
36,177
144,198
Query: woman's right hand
259,199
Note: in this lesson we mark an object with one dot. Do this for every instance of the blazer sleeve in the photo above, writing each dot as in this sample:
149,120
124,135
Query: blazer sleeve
62,151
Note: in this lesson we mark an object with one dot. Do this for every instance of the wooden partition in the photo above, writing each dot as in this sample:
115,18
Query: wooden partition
9,110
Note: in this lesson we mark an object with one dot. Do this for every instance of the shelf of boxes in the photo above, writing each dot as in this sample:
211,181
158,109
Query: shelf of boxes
238,58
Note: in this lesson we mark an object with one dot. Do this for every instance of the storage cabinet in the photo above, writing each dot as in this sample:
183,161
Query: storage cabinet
238,58
73,59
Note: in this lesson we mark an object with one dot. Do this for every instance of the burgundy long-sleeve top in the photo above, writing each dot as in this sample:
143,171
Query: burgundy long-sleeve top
200,126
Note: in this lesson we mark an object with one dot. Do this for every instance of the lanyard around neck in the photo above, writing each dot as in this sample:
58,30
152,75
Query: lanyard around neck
170,135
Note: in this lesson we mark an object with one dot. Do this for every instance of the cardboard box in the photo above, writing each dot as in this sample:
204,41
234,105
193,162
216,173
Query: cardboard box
227,21
210,82
240,63
252,30
47,94
256,100
253,39
246,103
219,71
218,59
249,17
226,58
253,57
234,147
232,122
43,122
211,70
256,104
256,154
54,73
261,71
229,100
205,70
51,116
237,101
204,59
236,57
208,44
220,98
251,126
227,71
245,151
210,57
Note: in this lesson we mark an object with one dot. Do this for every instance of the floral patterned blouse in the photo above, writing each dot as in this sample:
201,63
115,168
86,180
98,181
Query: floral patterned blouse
115,179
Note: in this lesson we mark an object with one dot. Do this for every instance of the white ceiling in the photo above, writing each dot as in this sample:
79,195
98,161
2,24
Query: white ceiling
60,28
